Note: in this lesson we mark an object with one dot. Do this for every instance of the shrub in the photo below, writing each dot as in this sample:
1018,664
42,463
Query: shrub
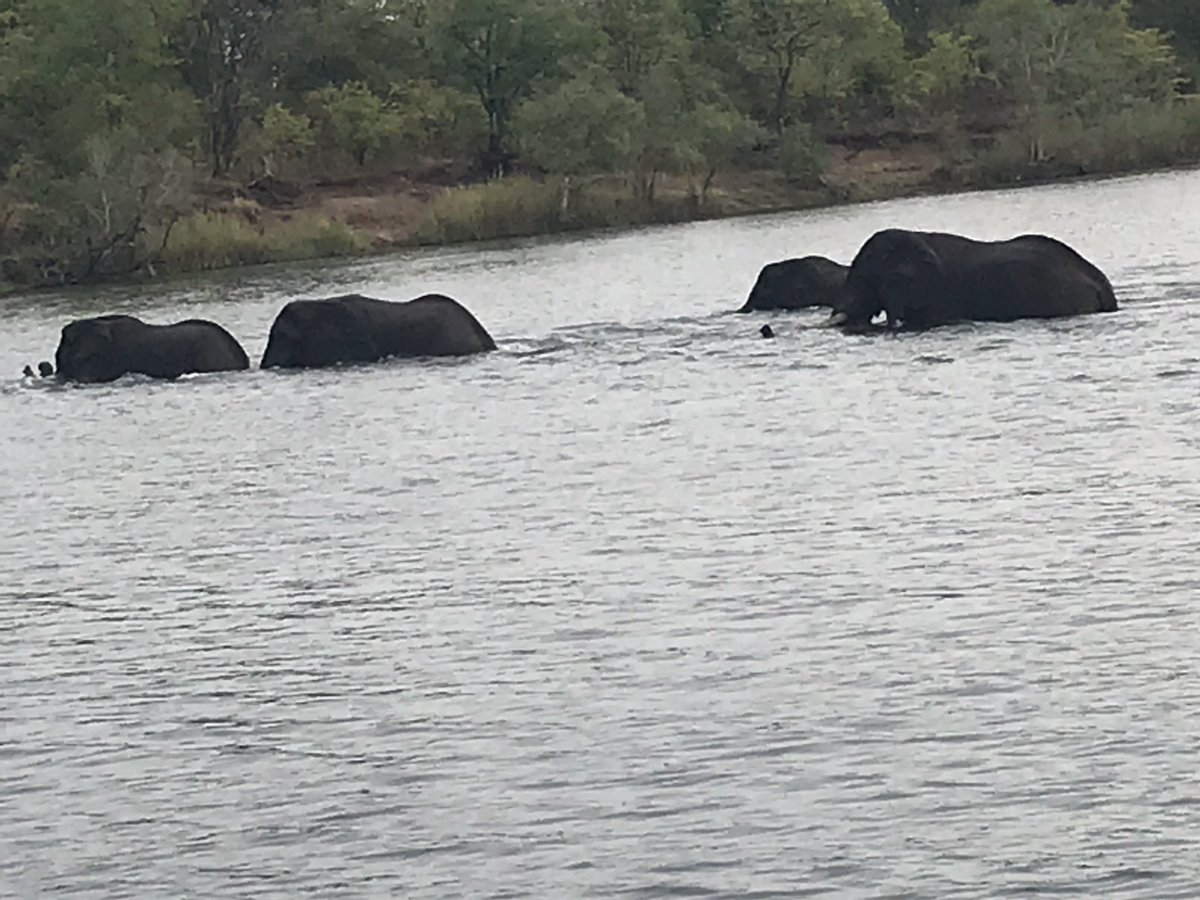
220,240
802,158
520,206
509,207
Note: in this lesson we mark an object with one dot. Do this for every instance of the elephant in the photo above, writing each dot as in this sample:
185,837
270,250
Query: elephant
106,347
797,284
352,328
923,279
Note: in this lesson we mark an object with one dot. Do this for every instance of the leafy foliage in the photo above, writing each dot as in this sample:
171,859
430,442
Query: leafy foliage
110,109
582,127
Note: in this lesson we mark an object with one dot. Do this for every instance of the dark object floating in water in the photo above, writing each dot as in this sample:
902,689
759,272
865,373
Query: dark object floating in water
766,331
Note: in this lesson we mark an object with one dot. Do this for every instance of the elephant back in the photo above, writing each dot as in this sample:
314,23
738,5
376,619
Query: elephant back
431,325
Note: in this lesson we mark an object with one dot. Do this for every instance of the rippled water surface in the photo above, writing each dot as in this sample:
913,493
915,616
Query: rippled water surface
639,605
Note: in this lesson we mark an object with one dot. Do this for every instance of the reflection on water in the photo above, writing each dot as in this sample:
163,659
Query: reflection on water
639,605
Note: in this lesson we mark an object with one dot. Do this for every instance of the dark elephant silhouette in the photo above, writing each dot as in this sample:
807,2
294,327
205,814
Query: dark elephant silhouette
922,279
797,284
355,329
104,348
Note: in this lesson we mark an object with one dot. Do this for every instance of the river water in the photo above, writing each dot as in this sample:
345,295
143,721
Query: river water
641,605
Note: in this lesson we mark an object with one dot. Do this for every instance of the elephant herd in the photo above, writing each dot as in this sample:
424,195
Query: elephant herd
916,279
922,279
306,334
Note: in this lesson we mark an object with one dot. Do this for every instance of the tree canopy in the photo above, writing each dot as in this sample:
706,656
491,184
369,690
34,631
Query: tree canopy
238,89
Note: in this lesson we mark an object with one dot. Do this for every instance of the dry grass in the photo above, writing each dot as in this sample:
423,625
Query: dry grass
215,240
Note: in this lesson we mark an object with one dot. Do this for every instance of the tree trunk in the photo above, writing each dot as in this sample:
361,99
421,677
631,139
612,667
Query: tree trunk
708,180
781,89
224,125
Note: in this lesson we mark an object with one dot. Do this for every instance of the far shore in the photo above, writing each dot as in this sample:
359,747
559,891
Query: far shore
388,213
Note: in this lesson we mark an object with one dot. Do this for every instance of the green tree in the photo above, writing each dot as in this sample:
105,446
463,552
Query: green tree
501,49
334,42
941,80
583,126
1078,60
946,66
641,34
802,157
921,19
822,49
284,136
109,218
224,51
68,72
691,128
857,59
354,119
436,120
719,133
1178,19
774,38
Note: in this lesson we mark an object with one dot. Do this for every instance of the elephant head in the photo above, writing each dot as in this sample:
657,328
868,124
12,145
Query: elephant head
774,286
89,350
316,333
895,272
797,284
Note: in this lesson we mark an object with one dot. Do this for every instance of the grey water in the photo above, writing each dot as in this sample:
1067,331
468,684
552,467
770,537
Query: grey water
641,605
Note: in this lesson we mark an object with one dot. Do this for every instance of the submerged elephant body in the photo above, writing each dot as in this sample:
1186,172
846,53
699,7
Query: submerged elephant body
924,279
106,347
357,329
797,284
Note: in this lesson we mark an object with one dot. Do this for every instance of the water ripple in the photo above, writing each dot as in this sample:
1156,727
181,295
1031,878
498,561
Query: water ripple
639,605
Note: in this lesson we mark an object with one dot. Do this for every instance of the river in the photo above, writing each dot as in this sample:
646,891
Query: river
641,605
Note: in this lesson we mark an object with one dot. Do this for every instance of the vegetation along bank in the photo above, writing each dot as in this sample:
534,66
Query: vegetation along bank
139,138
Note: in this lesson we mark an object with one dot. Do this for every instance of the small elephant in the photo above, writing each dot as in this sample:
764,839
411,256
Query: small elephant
355,329
924,279
106,347
797,284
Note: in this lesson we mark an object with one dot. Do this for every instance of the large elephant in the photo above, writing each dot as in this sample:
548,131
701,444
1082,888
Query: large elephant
106,347
353,328
922,279
797,284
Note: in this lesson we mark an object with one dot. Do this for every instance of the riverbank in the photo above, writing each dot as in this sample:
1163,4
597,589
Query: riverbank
235,224
399,211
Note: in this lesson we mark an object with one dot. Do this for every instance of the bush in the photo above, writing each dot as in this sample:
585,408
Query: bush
802,159
1136,138
510,207
1142,137
520,206
219,240
104,221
